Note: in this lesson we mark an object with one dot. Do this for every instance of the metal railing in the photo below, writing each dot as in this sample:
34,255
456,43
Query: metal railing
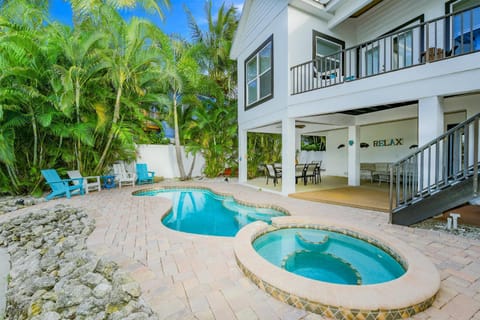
448,36
443,162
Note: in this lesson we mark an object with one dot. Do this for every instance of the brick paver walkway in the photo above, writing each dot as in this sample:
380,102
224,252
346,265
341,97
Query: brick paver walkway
186,276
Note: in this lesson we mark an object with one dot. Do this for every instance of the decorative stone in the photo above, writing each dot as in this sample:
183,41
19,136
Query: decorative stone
102,290
71,295
92,279
45,282
53,275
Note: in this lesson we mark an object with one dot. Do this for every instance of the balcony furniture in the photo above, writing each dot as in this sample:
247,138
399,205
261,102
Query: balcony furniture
90,183
432,54
61,187
272,172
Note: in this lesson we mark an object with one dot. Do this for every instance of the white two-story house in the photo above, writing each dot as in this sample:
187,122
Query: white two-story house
387,75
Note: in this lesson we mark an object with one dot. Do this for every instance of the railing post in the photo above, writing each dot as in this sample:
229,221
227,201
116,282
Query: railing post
475,157
390,218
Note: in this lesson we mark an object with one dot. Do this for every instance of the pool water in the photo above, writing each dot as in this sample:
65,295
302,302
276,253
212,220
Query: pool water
328,256
204,212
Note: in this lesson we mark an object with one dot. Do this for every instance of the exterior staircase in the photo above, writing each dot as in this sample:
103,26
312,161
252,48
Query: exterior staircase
439,176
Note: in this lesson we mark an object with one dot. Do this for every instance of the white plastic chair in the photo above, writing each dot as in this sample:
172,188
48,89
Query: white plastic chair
89,183
122,176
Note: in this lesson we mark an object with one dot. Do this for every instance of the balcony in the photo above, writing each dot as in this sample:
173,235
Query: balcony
438,39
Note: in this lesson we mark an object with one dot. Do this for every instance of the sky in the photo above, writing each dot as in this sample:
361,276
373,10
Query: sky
175,18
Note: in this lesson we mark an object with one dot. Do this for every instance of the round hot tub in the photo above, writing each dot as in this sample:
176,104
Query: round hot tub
335,270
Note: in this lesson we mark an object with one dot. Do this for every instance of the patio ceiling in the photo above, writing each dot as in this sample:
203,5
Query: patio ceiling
318,124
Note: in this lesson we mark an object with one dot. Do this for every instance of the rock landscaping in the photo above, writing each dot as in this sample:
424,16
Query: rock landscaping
53,275
11,203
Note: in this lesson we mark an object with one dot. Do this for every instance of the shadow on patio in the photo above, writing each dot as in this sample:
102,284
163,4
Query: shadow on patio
335,190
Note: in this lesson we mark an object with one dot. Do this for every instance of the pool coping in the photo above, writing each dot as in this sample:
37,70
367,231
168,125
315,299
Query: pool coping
395,299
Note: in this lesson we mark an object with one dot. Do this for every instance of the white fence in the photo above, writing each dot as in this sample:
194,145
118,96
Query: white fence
163,160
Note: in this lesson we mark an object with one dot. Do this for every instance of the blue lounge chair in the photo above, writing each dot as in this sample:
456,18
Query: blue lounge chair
61,187
143,175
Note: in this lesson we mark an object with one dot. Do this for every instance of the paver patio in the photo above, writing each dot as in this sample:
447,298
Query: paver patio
185,276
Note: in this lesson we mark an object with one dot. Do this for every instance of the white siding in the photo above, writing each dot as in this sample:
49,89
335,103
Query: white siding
300,27
272,110
389,15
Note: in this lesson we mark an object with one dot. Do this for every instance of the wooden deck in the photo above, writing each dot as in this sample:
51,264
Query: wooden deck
335,190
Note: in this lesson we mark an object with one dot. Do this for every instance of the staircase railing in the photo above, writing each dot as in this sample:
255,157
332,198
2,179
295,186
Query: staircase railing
443,162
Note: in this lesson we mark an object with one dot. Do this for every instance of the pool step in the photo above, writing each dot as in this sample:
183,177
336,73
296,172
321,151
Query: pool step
262,214
311,244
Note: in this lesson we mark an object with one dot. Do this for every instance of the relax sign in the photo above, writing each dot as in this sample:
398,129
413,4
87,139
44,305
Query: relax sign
388,142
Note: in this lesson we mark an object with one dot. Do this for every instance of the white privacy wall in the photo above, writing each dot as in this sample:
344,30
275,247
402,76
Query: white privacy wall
162,159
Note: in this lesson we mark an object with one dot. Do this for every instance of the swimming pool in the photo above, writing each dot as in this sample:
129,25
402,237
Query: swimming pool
328,256
201,211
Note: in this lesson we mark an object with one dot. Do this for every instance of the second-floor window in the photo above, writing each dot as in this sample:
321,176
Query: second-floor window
259,75
327,53
465,29
402,50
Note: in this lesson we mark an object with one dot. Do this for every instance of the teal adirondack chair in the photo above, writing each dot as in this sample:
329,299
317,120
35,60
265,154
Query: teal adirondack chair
61,187
143,175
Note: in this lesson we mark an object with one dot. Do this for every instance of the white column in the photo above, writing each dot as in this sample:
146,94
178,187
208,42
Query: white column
430,126
298,142
288,156
471,133
353,156
430,119
242,155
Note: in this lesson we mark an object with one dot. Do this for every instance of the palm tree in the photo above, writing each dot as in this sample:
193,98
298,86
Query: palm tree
215,43
132,62
26,97
214,132
80,64
83,8
181,74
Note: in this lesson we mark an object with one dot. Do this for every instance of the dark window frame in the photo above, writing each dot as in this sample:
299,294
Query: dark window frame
245,84
448,28
319,34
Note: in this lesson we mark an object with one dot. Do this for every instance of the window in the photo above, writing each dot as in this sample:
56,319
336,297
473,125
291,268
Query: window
259,75
402,50
373,62
403,54
327,53
465,29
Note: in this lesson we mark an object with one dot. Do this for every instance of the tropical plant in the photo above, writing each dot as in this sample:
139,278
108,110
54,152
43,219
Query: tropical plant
214,129
181,75
215,43
262,148
85,8
133,61
213,133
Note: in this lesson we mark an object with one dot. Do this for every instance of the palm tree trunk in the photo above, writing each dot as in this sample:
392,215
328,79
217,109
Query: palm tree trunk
116,115
77,109
178,148
35,138
189,176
